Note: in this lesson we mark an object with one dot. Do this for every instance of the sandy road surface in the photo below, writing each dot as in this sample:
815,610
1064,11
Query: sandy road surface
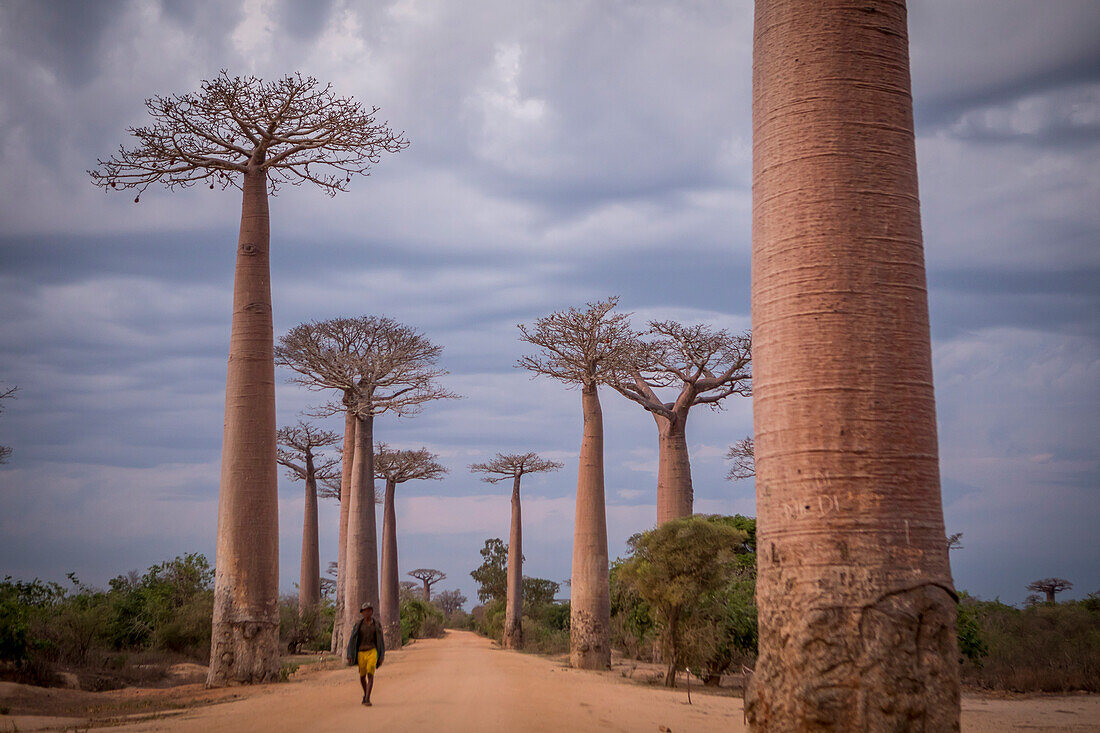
462,683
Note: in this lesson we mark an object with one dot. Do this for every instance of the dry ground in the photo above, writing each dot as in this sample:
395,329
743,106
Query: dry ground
463,683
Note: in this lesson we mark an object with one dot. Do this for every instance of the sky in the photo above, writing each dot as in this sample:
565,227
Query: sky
560,153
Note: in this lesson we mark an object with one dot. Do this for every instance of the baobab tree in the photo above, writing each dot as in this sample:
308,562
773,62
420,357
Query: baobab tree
450,601
856,602
742,453
5,394
1050,586
705,366
587,348
385,367
298,452
396,467
504,466
255,136
429,577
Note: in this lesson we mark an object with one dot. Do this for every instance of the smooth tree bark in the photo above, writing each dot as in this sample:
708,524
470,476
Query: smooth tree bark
428,577
704,366
856,601
298,452
586,348
396,467
255,136
514,466
347,456
388,368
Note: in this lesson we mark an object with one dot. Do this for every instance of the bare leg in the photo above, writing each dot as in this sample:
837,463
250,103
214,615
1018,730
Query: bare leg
363,684
367,689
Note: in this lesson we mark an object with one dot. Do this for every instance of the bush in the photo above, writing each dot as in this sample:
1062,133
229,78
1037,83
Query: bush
420,620
166,610
1042,648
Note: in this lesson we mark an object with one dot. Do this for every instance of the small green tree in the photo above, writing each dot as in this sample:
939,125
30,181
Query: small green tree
492,575
671,568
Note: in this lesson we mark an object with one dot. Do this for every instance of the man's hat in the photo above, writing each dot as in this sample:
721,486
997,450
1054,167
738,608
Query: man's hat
365,606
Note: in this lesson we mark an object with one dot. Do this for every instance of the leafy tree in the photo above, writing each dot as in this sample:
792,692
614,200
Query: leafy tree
492,575
538,592
671,568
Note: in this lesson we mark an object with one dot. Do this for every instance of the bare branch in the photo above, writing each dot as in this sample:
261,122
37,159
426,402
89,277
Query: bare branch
511,465
297,451
236,124
400,466
743,455
6,394
586,347
377,364
707,366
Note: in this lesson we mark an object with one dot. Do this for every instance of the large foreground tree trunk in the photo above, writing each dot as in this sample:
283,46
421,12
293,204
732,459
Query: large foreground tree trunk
309,582
513,610
590,604
856,602
675,496
391,583
245,634
361,574
339,641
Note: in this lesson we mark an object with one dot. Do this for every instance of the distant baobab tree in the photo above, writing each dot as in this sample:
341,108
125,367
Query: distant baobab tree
504,466
1050,586
744,461
705,366
586,348
5,394
396,467
379,366
299,447
254,136
857,608
428,577
450,601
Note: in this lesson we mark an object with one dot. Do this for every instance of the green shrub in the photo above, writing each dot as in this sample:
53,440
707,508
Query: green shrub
1042,648
420,620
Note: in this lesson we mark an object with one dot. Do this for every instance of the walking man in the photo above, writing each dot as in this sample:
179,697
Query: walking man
367,648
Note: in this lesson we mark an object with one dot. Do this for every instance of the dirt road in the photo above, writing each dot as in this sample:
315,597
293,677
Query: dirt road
462,683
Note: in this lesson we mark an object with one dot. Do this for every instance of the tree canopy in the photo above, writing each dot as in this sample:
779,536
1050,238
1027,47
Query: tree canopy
294,129
492,574
512,465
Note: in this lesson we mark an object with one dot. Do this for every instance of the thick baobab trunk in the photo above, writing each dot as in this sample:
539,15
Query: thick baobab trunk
513,610
309,584
245,634
675,497
590,603
361,575
856,602
391,606
339,641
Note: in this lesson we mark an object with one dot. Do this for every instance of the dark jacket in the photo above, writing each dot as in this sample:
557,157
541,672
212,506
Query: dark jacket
353,643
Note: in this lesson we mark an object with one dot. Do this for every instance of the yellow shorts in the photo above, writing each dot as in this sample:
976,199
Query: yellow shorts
368,661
